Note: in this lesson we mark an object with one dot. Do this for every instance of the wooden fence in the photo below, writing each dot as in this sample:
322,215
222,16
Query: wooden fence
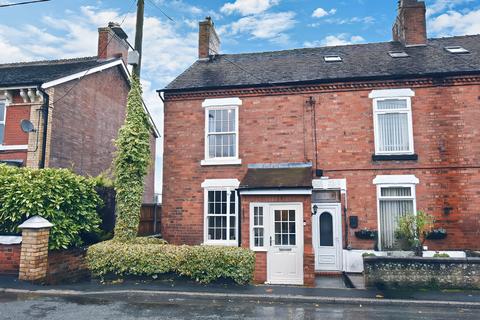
150,220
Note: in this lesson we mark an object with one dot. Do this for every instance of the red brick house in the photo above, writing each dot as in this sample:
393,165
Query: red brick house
291,153
76,107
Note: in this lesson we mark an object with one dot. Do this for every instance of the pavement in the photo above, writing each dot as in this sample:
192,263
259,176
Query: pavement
130,306
186,289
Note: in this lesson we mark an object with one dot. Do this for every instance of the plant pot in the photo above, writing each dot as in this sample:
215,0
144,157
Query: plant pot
366,234
437,234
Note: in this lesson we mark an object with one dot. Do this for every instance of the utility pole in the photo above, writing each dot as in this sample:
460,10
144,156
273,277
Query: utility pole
139,36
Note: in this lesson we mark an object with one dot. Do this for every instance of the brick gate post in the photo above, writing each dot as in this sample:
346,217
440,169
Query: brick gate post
34,252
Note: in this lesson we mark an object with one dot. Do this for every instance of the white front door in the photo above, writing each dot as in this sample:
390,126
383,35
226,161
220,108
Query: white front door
285,250
327,237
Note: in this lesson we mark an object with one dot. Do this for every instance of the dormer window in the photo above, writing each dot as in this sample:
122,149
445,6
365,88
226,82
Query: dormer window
398,54
456,50
332,58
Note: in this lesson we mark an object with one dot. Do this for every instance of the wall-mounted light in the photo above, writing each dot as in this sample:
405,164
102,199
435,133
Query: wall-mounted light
315,209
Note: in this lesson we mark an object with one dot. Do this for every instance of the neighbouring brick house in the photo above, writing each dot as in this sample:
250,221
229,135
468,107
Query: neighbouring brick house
290,153
76,107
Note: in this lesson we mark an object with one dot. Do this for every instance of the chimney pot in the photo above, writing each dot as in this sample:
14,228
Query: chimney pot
208,40
410,27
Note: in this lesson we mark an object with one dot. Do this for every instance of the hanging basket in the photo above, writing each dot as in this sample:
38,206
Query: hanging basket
437,234
366,234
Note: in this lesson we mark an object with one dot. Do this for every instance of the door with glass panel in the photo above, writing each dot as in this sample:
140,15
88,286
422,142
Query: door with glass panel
327,237
285,250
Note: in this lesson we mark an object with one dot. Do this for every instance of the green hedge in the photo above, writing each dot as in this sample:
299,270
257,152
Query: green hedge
67,200
150,257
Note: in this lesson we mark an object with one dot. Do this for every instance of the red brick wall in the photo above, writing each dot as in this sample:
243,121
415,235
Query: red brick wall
67,266
86,122
13,133
9,259
278,128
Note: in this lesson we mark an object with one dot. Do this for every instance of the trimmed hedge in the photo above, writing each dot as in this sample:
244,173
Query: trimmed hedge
67,200
149,257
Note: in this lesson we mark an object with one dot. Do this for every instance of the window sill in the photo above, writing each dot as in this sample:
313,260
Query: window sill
395,157
220,244
221,162
13,147
259,249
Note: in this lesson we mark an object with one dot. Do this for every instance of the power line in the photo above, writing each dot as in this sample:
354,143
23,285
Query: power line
161,10
100,53
21,3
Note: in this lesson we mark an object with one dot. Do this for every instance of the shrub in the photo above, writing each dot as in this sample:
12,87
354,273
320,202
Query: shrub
131,163
441,255
413,230
368,254
65,199
149,257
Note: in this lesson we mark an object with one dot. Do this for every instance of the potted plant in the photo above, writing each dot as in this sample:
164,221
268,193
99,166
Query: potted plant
412,231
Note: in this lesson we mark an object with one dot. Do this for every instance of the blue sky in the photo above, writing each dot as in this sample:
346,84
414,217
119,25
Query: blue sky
67,29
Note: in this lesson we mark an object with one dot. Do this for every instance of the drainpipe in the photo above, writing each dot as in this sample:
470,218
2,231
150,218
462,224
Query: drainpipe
239,218
45,107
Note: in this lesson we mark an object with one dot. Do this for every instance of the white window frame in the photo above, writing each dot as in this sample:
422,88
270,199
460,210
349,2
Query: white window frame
265,227
222,104
394,181
393,94
4,122
229,185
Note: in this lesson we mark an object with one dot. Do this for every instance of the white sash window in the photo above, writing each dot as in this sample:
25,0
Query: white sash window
393,126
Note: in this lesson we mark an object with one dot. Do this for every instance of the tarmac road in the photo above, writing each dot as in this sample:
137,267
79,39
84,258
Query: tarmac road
129,306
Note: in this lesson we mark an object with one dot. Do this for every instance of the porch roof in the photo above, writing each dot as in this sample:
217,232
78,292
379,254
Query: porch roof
277,178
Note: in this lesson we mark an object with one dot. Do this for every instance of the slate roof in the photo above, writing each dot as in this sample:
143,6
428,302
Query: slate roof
360,62
39,72
276,178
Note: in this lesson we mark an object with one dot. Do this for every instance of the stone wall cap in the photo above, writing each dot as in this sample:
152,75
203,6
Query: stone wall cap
10,240
36,222
470,260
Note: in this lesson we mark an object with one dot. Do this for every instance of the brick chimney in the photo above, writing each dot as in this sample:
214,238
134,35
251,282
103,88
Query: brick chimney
410,28
112,42
208,40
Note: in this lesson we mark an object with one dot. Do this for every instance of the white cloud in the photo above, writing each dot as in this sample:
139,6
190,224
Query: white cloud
455,23
439,6
247,7
265,26
332,40
320,13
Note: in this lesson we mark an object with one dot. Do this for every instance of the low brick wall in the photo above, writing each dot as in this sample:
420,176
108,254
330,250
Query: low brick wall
67,266
417,272
9,259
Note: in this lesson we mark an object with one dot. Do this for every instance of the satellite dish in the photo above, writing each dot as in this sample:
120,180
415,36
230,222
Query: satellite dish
27,126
